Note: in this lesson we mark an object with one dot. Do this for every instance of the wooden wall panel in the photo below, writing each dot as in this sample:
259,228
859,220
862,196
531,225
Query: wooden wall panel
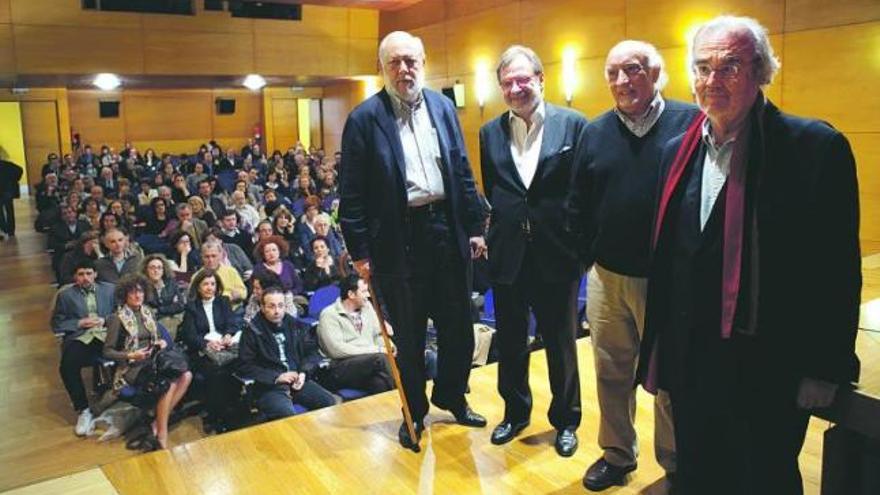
316,21
362,58
284,123
39,122
459,8
316,123
590,27
434,39
70,13
481,36
832,74
174,52
54,50
5,12
338,101
7,54
248,113
204,21
363,23
812,14
666,23
154,115
421,14
85,120
300,55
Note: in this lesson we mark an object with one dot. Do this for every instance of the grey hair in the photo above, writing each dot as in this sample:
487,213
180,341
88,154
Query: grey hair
212,244
766,63
651,56
514,51
399,35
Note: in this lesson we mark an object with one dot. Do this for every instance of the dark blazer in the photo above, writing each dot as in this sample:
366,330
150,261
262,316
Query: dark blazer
540,209
195,322
107,271
60,234
373,199
259,356
70,307
806,198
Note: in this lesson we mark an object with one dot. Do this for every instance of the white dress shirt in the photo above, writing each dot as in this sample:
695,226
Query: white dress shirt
421,152
525,143
212,334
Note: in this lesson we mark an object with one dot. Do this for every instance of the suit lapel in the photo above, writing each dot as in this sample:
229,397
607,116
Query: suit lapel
554,135
435,112
388,123
506,165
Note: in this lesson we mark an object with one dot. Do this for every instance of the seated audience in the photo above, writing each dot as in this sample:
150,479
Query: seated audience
121,259
270,254
184,258
349,334
186,222
232,254
84,248
200,212
157,217
132,337
282,358
79,314
63,236
232,234
163,294
258,284
211,332
324,269
213,258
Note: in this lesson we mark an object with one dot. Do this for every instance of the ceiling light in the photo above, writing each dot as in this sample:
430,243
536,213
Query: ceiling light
254,82
107,81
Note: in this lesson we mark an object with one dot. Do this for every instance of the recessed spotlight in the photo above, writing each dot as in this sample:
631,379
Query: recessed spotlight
254,82
107,81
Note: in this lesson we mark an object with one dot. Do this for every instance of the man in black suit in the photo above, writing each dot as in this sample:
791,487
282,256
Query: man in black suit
528,154
412,221
612,205
10,174
753,299
63,233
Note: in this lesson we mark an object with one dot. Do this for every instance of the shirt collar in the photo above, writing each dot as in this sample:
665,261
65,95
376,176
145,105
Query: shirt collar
537,116
404,108
640,125
756,112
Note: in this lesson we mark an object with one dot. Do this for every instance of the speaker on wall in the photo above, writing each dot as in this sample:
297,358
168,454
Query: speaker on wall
456,94
225,106
108,109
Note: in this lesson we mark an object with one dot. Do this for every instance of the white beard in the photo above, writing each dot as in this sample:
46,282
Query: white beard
412,94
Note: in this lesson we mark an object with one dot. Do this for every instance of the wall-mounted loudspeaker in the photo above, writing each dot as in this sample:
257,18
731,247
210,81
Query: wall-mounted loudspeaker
108,109
225,106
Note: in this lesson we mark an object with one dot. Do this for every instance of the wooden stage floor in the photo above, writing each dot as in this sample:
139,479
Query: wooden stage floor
349,448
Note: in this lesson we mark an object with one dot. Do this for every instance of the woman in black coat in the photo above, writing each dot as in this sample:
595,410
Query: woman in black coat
205,337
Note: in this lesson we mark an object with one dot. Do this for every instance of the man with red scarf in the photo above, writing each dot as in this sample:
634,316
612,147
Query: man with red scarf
753,295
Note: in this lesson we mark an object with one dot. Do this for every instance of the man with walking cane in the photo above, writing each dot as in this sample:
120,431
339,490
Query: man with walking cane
412,221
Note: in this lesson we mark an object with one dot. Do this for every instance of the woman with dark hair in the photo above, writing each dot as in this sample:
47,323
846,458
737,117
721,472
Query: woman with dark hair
117,207
157,218
164,295
91,212
324,269
109,220
284,225
261,282
180,190
211,331
132,338
271,253
184,257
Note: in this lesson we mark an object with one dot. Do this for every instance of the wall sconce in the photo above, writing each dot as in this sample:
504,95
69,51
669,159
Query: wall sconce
569,75
371,86
254,82
107,81
482,82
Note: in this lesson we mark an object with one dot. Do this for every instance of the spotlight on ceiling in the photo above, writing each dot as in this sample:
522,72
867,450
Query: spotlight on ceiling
254,82
107,81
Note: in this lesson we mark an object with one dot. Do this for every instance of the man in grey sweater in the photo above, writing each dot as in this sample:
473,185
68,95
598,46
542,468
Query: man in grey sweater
348,333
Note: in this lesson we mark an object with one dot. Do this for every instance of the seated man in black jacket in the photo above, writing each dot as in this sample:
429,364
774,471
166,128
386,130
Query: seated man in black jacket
283,359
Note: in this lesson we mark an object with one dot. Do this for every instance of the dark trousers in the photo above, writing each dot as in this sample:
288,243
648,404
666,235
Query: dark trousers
738,430
555,307
7,215
277,403
221,389
368,372
437,287
74,357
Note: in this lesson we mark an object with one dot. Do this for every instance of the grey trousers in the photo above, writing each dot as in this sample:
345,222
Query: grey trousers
616,312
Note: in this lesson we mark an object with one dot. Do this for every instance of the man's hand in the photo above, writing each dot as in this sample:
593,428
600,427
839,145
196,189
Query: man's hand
139,355
815,394
478,247
287,378
388,328
299,382
362,267
89,322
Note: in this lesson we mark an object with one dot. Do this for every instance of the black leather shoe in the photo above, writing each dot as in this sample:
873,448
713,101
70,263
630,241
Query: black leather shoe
506,431
467,417
602,474
566,442
406,441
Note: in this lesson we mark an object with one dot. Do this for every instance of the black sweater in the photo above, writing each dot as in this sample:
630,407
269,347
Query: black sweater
613,198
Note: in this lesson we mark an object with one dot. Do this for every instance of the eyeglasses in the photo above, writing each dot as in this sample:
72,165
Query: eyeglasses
726,71
397,62
631,70
520,82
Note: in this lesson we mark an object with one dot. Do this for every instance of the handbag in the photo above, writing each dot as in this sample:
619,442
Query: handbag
222,357
170,362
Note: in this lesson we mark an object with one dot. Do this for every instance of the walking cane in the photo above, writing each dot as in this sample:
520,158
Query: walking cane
395,372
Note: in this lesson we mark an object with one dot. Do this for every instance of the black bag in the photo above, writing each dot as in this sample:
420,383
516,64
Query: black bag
170,362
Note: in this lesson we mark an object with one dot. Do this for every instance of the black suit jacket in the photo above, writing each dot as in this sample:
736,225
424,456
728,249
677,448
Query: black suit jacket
373,199
60,234
805,196
195,322
541,207
260,358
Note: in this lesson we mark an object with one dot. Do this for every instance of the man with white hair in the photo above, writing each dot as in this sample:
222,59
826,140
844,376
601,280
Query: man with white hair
528,154
612,205
756,206
412,221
